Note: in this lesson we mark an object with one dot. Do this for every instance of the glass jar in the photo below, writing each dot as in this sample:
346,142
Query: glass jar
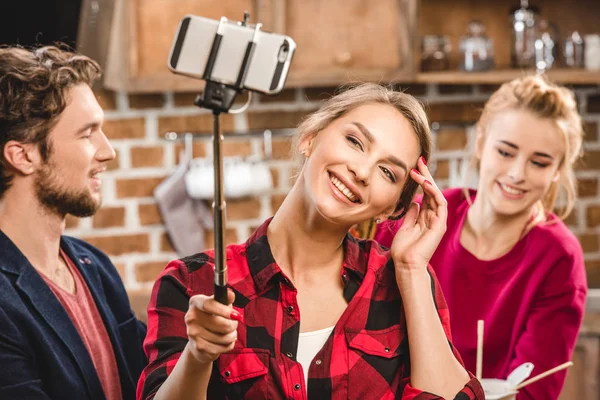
574,51
592,52
477,49
435,52
546,46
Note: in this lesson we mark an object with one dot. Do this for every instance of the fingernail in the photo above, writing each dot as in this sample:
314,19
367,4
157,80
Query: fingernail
427,182
415,171
236,316
423,160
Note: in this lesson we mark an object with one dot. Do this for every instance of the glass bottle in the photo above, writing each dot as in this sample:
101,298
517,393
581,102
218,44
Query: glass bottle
477,49
524,33
434,53
574,51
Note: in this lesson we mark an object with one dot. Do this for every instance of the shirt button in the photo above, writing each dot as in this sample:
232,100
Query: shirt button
227,373
318,362
297,386
290,309
387,349
290,355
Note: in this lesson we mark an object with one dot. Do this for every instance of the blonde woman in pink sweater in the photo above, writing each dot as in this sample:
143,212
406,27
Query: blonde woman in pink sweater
506,257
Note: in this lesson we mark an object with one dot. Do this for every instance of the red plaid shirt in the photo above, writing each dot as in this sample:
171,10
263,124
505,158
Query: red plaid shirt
365,357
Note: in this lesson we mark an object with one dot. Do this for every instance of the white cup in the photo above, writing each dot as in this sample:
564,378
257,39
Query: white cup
199,180
237,179
262,179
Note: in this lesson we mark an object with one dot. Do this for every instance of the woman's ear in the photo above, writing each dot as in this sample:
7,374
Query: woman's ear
396,214
306,144
23,157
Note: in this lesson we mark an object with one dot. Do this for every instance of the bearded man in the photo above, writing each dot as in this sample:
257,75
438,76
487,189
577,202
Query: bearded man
66,326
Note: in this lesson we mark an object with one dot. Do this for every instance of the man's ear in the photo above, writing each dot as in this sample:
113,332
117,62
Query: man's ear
22,157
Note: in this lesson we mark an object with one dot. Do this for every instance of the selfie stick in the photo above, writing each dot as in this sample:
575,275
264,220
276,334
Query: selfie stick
219,97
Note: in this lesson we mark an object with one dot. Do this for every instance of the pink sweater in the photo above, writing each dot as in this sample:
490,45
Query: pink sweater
532,299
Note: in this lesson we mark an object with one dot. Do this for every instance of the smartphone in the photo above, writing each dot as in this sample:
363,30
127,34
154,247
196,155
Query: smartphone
268,67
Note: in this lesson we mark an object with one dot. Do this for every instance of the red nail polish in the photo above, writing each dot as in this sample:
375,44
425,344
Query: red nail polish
423,160
415,171
427,182
236,316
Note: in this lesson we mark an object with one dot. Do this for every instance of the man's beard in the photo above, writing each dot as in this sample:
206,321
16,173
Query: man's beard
53,195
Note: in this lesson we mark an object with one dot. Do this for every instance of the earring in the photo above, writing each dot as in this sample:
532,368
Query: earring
303,152
377,220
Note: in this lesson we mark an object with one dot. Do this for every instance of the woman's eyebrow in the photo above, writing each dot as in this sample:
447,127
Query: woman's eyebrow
363,129
371,139
537,153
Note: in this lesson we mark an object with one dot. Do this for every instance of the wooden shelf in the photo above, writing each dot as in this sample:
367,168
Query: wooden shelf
565,76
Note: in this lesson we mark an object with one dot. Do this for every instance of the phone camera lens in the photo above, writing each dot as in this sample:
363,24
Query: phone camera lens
283,52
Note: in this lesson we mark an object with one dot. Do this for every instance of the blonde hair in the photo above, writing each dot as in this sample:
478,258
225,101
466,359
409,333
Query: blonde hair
350,97
550,101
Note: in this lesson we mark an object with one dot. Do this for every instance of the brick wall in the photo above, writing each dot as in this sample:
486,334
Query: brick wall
129,226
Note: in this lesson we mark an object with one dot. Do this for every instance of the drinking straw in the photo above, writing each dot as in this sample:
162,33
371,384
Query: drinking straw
479,349
545,374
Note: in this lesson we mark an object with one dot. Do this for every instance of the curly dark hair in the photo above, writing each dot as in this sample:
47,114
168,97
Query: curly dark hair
33,93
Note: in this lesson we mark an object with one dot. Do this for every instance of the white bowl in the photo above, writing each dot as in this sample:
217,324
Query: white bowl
498,389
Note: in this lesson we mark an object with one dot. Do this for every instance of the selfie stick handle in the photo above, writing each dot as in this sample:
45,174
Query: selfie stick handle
219,208
219,97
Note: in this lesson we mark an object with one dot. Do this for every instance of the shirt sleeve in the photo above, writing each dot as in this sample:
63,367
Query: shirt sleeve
552,328
472,389
167,336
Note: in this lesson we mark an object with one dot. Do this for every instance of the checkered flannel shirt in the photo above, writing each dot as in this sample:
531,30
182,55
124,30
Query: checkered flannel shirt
365,357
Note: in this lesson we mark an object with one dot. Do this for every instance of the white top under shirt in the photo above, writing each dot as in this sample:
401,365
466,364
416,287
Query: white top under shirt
309,344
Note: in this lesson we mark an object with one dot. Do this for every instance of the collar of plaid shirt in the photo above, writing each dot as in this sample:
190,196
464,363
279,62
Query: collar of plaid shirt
366,356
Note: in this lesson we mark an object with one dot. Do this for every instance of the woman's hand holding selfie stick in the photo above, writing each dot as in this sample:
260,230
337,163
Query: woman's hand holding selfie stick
211,326
212,330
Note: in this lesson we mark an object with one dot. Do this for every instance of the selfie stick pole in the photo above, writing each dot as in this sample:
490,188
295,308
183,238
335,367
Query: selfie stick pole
219,97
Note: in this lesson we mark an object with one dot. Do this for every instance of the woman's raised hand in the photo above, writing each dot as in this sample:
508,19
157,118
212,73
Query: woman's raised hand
423,226
211,327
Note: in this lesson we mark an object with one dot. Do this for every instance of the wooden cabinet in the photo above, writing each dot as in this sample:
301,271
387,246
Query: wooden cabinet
141,36
337,40
347,40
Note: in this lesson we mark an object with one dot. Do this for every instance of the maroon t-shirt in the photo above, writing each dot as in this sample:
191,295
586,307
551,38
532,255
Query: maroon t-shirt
85,316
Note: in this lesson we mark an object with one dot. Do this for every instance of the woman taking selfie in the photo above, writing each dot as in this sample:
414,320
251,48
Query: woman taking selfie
312,311
506,258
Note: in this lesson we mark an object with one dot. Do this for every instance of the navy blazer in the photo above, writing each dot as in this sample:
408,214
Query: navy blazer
42,355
